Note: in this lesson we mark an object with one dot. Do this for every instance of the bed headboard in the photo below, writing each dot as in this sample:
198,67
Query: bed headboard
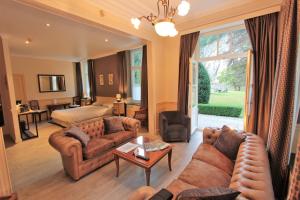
108,100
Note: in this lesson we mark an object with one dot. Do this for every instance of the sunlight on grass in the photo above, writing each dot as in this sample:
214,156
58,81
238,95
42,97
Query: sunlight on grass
230,98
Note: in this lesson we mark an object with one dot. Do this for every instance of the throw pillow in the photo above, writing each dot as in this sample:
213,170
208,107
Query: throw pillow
229,142
218,193
113,124
78,134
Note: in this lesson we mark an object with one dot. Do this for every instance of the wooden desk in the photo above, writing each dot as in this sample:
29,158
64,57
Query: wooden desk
52,107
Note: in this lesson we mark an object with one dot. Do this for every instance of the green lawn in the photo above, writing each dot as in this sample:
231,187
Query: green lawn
230,98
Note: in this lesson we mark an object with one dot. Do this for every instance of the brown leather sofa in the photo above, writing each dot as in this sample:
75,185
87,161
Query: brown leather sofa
79,161
250,174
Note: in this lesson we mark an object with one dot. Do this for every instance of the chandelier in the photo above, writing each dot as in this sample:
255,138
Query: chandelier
164,26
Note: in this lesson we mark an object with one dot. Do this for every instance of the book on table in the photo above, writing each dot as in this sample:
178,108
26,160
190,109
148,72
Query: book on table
156,145
125,148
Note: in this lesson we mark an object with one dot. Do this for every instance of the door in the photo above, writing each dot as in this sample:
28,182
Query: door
19,87
248,90
193,95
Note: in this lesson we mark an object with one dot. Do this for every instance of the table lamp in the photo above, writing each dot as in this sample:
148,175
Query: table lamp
118,97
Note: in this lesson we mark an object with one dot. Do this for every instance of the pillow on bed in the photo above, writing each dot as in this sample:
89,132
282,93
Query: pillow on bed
78,134
113,124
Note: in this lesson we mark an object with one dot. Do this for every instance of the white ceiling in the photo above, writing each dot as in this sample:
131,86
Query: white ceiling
64,39
137,8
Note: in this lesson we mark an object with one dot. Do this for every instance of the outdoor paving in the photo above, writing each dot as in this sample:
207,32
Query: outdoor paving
219,121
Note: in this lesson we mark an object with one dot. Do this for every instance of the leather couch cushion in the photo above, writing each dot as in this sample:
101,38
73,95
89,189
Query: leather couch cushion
204,175
120,137
113,124
78,134
216,193
178,186
209,154
96,147
229,141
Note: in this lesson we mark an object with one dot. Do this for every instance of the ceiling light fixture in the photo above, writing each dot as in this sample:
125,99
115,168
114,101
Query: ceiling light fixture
164,27
106,40
48,25
28,41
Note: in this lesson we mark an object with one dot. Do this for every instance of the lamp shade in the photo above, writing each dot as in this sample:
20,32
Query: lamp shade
118,96
164,27
183,8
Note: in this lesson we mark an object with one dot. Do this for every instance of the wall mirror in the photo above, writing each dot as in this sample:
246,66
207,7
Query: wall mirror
51,83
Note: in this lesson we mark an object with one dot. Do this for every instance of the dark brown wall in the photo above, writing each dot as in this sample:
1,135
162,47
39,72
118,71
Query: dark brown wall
105,66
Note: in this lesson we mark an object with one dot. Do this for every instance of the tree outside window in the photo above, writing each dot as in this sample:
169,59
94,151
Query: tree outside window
136,68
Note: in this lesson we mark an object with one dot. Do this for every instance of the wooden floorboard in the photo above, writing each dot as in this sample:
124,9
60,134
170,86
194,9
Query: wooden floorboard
37,172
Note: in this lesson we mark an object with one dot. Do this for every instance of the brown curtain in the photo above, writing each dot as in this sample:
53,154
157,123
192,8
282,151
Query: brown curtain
263,35
188,44
124,74
144,80
61,82
283,97
92,79
79,91
294,188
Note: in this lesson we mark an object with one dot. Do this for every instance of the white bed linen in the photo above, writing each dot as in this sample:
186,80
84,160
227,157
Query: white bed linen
76,115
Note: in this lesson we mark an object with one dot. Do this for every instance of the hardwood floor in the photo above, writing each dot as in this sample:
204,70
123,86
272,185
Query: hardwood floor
37,172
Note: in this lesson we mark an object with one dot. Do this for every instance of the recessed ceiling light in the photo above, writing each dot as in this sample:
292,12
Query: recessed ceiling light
48,25
28,41
106,40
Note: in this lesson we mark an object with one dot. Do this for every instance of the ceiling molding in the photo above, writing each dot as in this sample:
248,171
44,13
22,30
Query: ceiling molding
226,16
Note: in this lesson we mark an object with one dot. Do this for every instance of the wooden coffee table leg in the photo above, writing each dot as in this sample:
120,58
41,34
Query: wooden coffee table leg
170,159
117,165
148,172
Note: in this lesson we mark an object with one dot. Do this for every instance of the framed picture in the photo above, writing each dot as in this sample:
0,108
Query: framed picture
101,79
110,79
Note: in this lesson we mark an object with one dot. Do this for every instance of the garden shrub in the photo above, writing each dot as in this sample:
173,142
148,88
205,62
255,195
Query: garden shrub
228,111
204,85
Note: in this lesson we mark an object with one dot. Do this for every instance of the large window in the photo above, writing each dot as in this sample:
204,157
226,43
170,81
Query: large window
136,69
85,78
222,55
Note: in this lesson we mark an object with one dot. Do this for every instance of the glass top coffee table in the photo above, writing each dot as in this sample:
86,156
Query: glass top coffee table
154,157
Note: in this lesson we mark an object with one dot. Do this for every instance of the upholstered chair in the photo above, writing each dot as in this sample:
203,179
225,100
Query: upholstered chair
174,126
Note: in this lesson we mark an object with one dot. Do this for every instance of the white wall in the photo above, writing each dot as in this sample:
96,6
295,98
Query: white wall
31,67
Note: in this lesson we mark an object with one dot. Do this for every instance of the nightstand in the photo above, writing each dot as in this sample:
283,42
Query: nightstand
119,108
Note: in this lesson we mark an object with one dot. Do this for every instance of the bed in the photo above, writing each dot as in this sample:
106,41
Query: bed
71,116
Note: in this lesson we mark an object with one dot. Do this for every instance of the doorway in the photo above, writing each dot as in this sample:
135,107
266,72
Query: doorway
221,59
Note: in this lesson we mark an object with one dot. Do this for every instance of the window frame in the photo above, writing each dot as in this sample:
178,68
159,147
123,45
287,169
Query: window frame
135,68
230,55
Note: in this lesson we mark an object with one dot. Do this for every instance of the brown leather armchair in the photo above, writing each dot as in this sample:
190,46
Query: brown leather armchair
174,126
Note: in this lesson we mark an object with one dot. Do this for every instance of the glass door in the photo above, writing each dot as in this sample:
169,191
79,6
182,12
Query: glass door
193,95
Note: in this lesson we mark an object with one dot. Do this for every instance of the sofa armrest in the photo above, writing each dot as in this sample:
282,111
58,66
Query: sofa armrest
163,123
143,193
210,135
67,146
131,124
